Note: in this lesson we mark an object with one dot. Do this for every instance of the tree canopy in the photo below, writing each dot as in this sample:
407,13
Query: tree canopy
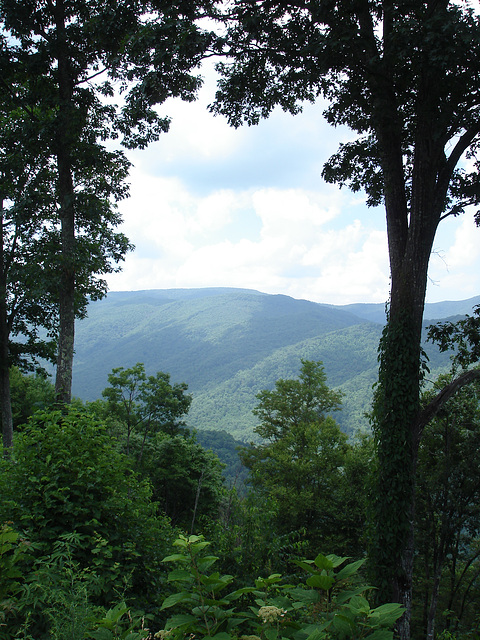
146,404
63,66
302,465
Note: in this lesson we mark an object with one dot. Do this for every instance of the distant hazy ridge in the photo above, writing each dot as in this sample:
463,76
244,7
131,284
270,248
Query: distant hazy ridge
228,344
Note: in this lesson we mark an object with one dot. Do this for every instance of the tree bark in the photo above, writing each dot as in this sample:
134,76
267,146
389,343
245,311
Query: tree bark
432,611
6,412
411,231
66,193
5,400
7,419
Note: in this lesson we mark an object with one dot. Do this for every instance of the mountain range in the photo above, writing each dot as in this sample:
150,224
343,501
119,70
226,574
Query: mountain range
229,344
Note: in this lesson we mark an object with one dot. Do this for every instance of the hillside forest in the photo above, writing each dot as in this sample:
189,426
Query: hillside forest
115,521
119,523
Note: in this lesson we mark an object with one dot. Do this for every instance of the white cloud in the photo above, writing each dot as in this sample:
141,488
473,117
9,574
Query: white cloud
455,265
185,241
214,206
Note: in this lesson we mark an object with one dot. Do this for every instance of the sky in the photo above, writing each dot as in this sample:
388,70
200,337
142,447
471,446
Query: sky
212,206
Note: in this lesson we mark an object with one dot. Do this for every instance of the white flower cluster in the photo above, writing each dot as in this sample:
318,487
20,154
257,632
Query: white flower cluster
271,614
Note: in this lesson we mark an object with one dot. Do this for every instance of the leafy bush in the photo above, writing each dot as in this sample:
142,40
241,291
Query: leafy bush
67,482
12,552
331,604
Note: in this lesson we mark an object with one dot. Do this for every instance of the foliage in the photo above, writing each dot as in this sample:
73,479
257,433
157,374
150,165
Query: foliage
12,552
147,415
403,77
186,480
119,624
224,445
27,215
394,471
462,336
338,50
64,65
146,404
302,466
448,513
295,402
248,541
54,599
29,393
67,478
329,605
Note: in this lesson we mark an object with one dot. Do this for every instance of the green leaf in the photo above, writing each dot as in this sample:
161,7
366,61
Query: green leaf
314,631
344,596
183,596
180,575
307,565
336,560
321,581
387,614
199,546
206,562
323,563
114,615
389,608
304,595
350,569
176,557
180,620
271,634
343,624
359,605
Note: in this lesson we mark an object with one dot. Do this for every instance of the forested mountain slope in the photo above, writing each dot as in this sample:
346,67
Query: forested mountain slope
228,344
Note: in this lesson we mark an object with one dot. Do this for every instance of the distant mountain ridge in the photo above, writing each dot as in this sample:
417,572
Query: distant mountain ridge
433,310
228,344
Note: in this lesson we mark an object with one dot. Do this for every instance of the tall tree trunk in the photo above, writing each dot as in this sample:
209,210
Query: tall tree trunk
411,226
432,611
6,405
66,193
397,409
66,335
411,233
7,419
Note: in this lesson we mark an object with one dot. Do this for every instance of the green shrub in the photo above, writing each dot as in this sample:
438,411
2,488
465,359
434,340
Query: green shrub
331,604
66,482
12,552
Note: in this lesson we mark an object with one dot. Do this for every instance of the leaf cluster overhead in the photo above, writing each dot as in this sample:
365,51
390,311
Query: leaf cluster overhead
374,63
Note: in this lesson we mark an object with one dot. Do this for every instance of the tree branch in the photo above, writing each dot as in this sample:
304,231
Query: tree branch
433,407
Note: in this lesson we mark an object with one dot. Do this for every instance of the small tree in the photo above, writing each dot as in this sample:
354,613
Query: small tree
26,213
29,393
302,465
146,404
186,479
